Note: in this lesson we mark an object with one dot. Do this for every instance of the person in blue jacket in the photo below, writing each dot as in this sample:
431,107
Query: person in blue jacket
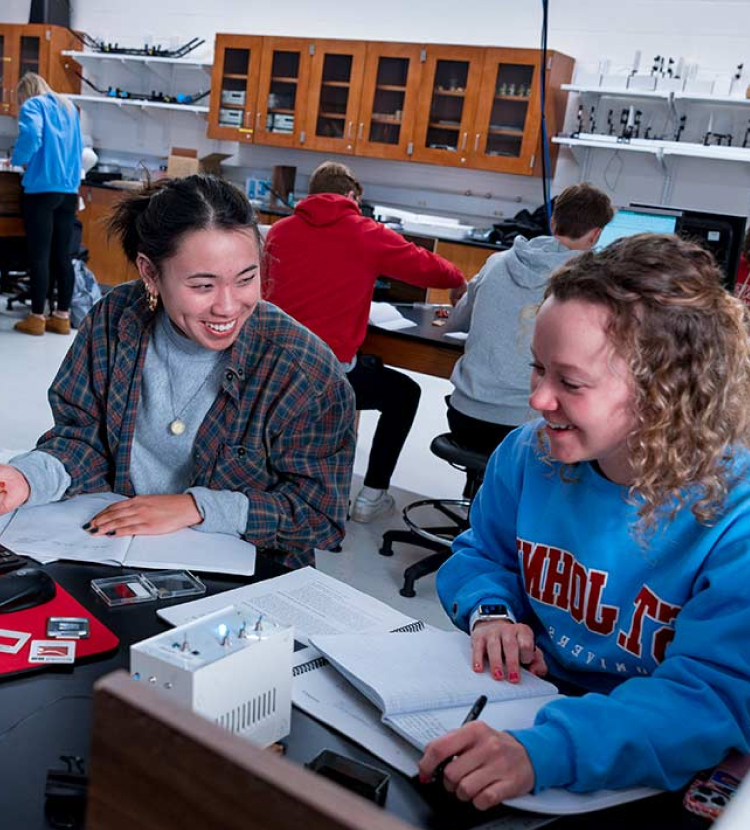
610,543
49,146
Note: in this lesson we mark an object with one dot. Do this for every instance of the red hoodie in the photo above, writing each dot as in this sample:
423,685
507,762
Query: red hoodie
322,262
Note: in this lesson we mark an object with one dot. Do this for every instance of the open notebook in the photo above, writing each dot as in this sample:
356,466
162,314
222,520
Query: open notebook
54,531
424,686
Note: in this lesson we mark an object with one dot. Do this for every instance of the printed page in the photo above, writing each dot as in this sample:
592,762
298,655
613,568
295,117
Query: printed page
54,531
432,671
323,693
385,316
307,599
191,549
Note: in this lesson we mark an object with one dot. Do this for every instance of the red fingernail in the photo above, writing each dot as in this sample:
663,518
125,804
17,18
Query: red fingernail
498,674
513,677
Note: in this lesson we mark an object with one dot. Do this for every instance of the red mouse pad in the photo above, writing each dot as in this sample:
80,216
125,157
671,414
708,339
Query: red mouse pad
33,621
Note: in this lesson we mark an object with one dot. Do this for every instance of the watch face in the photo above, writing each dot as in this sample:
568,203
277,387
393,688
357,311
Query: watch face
493,610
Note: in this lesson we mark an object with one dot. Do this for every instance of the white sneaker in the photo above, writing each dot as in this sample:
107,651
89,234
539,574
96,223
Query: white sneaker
365,509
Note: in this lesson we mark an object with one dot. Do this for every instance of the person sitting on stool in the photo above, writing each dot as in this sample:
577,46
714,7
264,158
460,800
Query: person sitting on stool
492,377
321,266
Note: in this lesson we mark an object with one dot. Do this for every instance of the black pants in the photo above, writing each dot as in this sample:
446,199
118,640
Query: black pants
396,397
48,221
482,436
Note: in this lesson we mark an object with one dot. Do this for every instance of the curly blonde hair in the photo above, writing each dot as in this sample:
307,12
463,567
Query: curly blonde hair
686,340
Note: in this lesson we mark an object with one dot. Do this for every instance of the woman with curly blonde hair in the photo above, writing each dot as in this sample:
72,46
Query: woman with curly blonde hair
609,543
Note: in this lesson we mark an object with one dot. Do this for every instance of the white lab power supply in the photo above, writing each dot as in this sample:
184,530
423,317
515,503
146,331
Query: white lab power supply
230,668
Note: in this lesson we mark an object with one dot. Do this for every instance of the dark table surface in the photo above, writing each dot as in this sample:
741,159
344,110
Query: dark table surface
46,714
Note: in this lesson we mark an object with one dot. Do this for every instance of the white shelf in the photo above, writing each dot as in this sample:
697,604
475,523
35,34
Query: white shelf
656,147
127,102
659,94
98,56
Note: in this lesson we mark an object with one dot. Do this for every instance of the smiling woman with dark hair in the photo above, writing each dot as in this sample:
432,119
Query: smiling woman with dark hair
185,391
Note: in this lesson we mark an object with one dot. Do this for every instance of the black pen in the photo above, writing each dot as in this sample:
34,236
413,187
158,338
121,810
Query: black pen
474,713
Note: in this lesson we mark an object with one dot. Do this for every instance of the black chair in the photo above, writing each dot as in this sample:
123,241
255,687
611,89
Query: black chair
440,537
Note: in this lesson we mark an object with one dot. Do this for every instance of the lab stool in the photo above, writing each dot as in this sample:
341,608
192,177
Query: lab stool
438,538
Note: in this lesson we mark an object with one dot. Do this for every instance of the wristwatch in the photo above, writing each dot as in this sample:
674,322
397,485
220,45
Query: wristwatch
490,611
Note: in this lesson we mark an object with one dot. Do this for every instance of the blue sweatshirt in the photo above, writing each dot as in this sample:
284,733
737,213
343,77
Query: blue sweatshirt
660,634
49,144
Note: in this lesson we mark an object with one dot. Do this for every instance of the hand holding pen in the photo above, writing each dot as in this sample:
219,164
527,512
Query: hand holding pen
486,766
473,714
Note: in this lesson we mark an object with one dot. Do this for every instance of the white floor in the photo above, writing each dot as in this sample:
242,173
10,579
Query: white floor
28,365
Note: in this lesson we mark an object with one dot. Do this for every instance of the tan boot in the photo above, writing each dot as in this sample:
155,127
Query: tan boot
31,325
57,325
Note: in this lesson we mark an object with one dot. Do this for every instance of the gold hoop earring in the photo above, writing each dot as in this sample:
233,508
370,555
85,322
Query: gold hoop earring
152,298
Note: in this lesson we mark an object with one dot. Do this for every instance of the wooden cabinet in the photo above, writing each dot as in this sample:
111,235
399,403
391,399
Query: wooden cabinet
106,258
335,84
451,77
234,87
388,100
461,106
469,259
283,87
507,136
34,48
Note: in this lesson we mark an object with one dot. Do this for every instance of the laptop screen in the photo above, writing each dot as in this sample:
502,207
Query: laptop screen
628,222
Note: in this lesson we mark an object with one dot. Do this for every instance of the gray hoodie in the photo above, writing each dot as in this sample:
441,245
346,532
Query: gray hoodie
492,378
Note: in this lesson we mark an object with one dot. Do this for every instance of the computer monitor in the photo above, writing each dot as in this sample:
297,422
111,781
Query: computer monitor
630,221
720,233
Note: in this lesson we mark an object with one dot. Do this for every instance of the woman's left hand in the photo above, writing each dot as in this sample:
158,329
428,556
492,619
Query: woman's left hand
487,767
146,516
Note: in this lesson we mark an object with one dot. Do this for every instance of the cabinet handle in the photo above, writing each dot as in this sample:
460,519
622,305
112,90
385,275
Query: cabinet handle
463,142
349,129
257,121
361,130
476,142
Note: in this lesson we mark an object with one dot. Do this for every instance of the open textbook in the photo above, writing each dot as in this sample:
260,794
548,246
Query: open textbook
54,531
424,686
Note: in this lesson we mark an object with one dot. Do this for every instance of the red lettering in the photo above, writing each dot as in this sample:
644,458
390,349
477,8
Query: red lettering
645,602
534,558
557,581
600,619
577,591
648,604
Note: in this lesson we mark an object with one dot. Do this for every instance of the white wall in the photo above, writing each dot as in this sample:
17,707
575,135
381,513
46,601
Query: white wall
712,33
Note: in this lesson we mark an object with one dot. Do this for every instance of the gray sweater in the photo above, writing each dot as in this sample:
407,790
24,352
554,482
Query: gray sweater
492,377
160,462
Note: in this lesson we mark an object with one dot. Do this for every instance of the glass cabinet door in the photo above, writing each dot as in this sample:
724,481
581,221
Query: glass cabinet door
234,87
508,114
282,97
389,97
446,113
5,63
335,88
29,55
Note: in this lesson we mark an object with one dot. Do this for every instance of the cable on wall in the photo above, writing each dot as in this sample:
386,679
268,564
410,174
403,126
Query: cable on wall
546,165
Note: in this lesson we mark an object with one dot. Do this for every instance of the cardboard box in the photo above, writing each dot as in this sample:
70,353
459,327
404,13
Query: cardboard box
184,161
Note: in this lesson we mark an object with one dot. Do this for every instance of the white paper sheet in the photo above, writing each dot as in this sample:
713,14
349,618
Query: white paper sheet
307,599
385,316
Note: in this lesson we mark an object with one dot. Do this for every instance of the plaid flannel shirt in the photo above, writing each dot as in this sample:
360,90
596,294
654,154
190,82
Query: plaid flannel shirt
281,429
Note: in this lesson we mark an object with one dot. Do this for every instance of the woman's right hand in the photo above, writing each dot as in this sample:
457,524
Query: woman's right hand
14,488
507,646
